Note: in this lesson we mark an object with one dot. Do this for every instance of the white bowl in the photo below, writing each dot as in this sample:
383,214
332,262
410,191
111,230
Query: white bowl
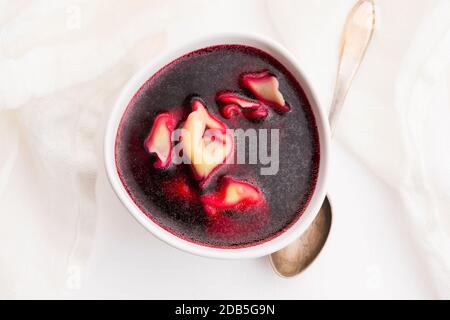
259,249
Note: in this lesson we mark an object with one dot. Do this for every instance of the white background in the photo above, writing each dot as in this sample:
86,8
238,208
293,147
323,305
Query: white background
64,234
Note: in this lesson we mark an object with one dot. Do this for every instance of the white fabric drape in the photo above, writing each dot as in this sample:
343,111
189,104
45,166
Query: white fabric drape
62,64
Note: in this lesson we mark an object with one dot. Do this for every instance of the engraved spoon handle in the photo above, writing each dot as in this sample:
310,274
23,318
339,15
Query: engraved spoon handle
356,36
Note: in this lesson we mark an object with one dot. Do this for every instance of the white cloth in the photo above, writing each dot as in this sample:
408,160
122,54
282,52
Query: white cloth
63,63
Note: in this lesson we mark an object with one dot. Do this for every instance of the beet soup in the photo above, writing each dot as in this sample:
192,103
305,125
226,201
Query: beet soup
218,203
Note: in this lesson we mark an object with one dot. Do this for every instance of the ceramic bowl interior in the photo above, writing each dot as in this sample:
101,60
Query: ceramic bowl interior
260,249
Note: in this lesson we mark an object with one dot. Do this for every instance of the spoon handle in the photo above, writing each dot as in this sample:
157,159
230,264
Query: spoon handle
356,36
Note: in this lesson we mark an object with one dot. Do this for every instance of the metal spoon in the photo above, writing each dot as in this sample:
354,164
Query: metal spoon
356,36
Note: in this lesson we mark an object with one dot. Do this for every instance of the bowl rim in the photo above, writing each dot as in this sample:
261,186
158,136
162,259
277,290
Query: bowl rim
135,83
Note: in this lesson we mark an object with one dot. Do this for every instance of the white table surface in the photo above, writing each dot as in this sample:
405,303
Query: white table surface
65,63
368,253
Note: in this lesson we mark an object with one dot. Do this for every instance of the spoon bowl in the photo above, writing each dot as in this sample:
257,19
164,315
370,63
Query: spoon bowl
287,262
